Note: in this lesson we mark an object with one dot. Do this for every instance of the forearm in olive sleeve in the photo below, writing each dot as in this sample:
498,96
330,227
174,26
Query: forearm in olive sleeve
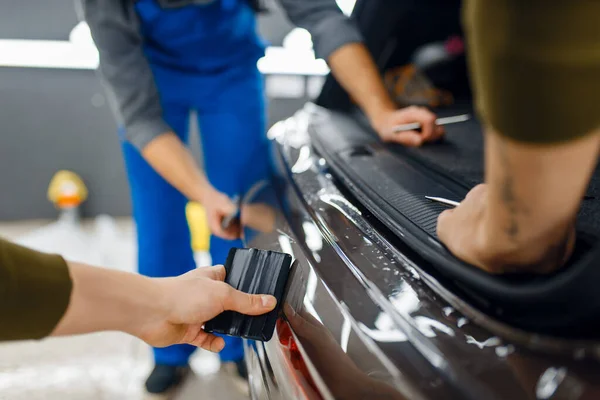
536,66
35,289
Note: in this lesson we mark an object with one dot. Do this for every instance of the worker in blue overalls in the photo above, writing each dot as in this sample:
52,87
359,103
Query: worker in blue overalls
162,59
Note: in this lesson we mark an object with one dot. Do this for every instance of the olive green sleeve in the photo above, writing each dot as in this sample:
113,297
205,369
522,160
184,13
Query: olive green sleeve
536,66
35,290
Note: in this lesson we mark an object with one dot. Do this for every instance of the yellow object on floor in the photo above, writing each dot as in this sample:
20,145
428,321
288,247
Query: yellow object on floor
67,190
199,230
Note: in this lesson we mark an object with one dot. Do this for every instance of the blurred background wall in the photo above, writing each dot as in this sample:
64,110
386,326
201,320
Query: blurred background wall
58,118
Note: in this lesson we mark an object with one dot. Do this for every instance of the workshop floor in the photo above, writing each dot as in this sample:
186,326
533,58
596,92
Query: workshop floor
102,366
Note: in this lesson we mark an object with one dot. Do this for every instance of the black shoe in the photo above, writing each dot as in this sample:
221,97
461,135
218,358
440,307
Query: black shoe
165,377
242,370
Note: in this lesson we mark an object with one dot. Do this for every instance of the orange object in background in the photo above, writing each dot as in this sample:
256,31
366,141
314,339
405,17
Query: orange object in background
409,86
67,190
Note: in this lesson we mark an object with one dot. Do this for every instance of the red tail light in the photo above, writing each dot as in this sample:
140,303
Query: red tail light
297,365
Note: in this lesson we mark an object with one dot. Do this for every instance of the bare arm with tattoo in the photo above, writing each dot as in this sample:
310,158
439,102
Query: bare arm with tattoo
523,218
536,73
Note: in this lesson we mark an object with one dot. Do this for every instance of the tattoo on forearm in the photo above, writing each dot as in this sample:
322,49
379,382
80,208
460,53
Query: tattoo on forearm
509,197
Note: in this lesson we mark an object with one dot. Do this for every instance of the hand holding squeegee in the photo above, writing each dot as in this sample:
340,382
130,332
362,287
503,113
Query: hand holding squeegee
253,271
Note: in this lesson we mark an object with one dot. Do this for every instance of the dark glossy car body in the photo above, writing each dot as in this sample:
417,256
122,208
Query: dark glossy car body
366,315
363,320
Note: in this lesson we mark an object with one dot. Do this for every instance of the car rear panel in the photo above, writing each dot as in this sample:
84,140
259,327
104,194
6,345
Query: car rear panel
366,321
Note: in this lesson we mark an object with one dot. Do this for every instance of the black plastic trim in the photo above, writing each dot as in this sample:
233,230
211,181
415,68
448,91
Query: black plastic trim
564,303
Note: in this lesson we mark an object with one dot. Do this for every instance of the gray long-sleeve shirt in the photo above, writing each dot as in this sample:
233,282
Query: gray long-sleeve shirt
115,28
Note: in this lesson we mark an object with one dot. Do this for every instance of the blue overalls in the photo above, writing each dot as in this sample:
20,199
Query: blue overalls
203,58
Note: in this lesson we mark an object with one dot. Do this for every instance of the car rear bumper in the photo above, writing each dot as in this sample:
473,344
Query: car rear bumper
366,321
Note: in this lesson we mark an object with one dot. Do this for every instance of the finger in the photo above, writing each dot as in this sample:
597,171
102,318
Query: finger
443,224
425,117
244,303
214,343
427,125
208,341
228,207
408,139
217,230
189,333
214,222
230,232
233,230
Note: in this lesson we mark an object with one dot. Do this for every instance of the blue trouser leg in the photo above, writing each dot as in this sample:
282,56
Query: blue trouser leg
162,232
233,138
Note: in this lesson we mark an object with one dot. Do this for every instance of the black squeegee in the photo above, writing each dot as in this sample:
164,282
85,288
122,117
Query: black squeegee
255,272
